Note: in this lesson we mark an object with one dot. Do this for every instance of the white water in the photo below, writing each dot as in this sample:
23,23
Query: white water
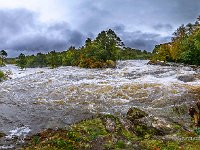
43,98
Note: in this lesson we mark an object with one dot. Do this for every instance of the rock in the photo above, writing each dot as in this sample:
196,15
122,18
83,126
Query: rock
135,113
186,78
151,62
110,125
109,122
2,134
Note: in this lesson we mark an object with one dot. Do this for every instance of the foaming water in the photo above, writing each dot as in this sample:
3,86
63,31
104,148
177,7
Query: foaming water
41,98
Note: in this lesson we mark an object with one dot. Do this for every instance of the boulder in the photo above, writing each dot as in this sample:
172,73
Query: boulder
135,113
161,63
186,78
110,125
110,122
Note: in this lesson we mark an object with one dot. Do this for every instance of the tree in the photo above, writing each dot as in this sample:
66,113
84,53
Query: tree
162,52
109,45
185,45
41,60
54,59
70,57
3,55
22,61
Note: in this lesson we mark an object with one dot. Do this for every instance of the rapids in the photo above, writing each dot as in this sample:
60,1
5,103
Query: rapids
41,98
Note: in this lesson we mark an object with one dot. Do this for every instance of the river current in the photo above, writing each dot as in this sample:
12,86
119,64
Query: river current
36,99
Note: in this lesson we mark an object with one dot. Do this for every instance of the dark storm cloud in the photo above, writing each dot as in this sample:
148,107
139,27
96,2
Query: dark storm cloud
21,30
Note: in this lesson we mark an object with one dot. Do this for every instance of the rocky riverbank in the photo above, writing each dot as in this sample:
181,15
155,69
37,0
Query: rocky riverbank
137,130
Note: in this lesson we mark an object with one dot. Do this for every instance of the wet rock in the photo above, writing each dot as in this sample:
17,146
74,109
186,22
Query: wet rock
195,67
162,125
135,113
2,134
110,125
161,63
186,78
197,76
109,122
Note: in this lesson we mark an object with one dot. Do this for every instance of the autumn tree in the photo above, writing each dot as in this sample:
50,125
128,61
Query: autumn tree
184,47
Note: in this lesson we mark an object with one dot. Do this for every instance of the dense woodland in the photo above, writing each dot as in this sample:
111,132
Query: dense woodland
102,52
184,46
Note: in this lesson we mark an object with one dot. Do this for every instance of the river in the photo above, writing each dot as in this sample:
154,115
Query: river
40,98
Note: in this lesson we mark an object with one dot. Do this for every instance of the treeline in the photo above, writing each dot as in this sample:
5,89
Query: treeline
102,52
184,47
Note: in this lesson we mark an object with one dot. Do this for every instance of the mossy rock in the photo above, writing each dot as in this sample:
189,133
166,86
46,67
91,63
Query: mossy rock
135,113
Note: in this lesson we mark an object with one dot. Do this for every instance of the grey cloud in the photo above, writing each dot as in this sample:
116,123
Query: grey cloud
119,28
144,43
165,27
139,23
37,43
21,30
14,22
141,44
140,40
164,14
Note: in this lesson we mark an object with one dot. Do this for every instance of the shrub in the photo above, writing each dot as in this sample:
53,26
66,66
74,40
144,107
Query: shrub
2,76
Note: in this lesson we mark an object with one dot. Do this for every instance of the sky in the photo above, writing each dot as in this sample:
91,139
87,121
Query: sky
32,26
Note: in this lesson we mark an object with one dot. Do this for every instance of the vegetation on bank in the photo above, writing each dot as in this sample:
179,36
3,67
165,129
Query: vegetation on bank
2,76
109,132
102,52
184,47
